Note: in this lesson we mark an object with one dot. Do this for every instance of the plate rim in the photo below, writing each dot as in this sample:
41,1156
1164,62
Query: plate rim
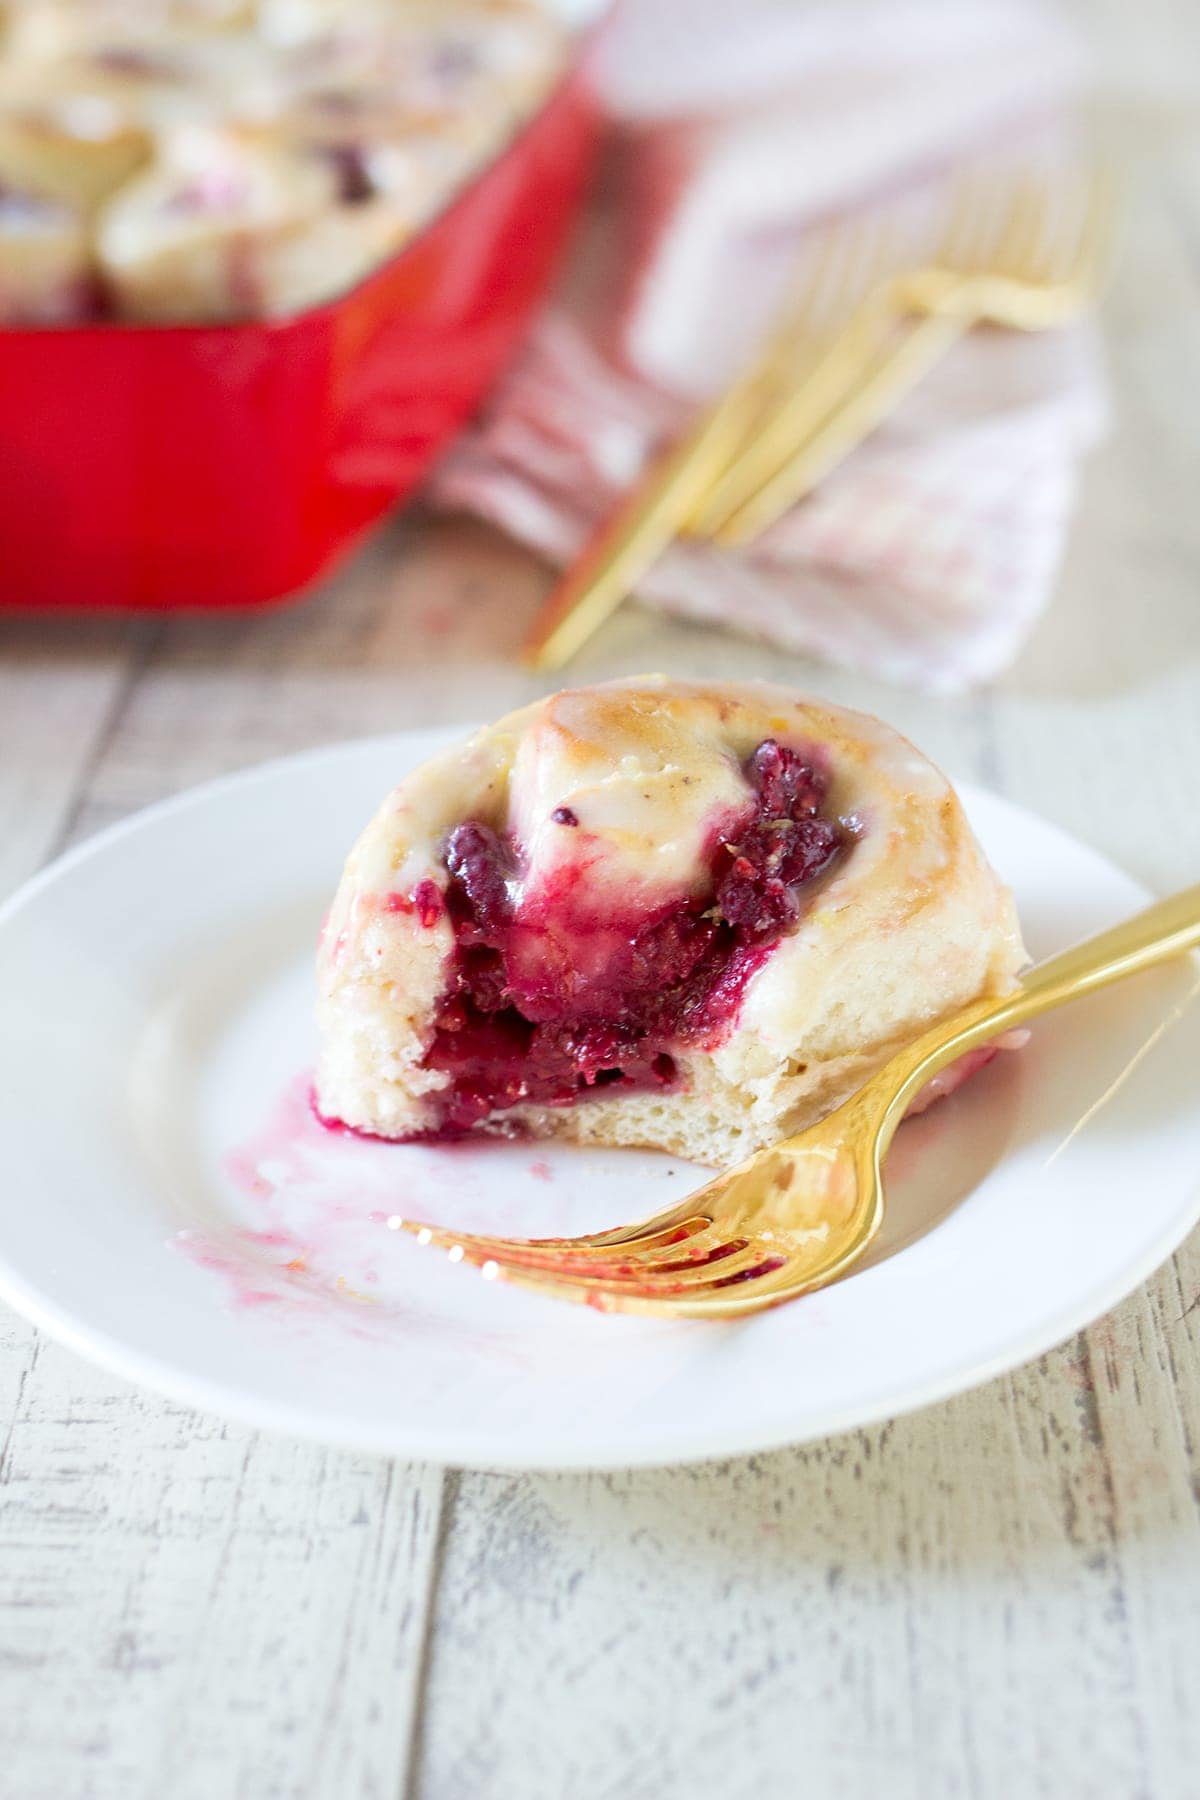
446,1448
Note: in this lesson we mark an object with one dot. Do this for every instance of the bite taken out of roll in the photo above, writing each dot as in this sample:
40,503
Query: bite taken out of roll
652,913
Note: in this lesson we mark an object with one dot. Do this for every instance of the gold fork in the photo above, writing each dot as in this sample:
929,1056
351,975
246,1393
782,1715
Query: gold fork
847,260
1010,258
799,1215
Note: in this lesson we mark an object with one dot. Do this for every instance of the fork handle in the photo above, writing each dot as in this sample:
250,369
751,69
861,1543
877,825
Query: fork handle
1163,931
804,400
628,543
865,407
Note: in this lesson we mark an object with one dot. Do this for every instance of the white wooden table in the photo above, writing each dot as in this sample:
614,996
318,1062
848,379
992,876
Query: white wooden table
999,1596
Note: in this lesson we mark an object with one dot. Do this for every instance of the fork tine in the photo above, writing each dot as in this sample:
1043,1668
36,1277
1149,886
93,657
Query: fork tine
1000,224
811,378
1098,227
980,220
812,298
742,1296
679,1244
870,247
810,395
721,1263
674,1225
685,1255
1014,228
1029,251
740,1292
834,244
1057,249
1069,236
736,1264
671,1250
802,300
961,230
999,227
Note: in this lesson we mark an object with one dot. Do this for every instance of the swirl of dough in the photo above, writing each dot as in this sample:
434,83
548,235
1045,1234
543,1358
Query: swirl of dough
906,924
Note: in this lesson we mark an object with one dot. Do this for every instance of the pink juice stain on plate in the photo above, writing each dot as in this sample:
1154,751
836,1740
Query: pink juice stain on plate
306,1240
311,1213
310,1208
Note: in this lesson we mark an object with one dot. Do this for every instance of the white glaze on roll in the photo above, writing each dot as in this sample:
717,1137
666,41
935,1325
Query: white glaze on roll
911,924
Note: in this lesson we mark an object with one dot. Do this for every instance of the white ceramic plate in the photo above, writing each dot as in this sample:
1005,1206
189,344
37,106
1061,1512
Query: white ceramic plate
171,1209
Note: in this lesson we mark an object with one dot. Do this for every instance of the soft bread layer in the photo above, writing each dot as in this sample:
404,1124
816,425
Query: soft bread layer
912,925
44,263
716,1122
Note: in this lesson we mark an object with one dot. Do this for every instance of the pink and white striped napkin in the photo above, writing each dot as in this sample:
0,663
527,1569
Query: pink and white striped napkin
927,557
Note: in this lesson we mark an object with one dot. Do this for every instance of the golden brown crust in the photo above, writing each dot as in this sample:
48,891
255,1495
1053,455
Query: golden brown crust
911,923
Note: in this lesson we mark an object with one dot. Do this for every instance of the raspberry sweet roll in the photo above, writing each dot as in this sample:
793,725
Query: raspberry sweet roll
219,226
652,913
45,265
66,137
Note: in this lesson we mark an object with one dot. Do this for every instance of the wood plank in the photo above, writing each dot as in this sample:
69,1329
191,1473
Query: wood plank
63,684
418,630
937,1606
185,1607
997,1597
191,1608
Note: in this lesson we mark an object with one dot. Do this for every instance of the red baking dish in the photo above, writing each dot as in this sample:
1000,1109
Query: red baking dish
215,466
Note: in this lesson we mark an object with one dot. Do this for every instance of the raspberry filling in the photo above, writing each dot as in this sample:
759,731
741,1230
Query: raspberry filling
550,1001
349,165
